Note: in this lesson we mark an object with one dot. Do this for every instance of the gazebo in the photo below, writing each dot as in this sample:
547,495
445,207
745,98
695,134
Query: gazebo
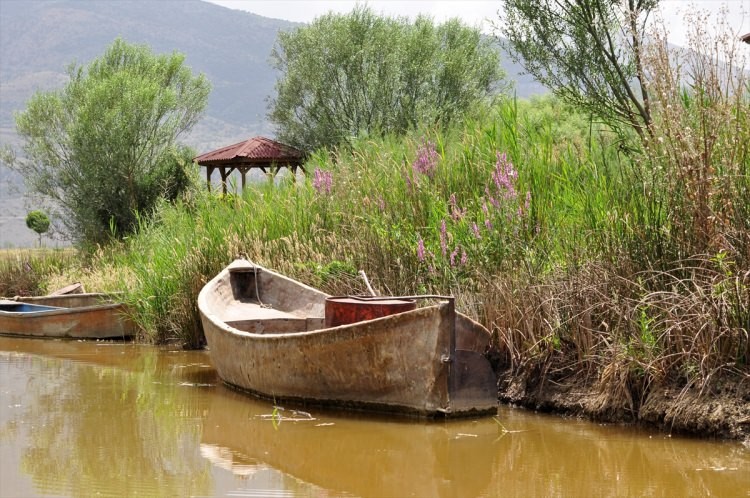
267,155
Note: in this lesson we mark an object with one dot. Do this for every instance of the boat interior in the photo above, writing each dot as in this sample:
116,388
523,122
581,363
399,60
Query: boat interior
257,306
18,307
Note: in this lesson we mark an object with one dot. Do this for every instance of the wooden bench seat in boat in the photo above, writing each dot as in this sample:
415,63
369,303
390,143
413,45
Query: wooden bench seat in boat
267,320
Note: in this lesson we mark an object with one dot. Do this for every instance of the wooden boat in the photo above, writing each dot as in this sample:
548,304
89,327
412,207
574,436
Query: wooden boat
82,316
278,338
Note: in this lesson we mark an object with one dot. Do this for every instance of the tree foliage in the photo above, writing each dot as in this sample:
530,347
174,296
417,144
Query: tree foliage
39,222
588,52
104,148
345,75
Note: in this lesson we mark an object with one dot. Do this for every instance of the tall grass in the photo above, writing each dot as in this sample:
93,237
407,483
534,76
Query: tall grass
29,272
528,213
448,211
624,271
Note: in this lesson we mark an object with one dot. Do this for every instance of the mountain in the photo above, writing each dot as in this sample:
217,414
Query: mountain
40,39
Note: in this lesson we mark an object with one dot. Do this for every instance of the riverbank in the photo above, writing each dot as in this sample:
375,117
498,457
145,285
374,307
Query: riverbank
721,411
590,267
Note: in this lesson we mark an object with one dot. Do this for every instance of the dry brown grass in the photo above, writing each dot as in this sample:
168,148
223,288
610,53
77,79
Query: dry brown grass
27,272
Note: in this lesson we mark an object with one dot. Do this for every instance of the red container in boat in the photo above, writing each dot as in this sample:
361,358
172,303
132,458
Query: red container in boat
346,310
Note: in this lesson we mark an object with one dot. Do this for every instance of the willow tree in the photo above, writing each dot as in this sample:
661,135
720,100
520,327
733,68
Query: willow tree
588,52
360,73
104,147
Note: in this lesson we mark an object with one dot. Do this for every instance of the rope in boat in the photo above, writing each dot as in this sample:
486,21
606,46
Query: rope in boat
257,292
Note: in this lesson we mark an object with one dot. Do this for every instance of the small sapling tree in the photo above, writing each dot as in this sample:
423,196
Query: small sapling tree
39,222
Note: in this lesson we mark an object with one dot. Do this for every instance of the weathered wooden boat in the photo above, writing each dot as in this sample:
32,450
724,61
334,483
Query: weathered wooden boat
81,316
280,339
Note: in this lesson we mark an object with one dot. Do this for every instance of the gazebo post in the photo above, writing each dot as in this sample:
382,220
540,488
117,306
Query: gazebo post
224,175
209,172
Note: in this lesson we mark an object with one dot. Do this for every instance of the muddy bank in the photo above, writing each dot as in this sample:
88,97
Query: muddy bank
721,411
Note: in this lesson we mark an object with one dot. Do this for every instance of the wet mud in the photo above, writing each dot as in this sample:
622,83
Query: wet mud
721,411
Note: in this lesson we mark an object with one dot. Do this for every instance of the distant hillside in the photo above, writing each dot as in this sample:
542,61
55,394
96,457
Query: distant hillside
39,39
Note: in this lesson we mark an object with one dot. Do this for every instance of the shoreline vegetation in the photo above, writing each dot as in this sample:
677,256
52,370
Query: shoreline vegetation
602,236
578,258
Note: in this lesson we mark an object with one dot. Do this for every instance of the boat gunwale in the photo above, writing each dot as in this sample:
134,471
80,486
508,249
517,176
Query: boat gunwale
59,310
208,311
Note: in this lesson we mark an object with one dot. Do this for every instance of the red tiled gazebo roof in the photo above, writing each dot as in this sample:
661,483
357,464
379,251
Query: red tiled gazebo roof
253,151
256,152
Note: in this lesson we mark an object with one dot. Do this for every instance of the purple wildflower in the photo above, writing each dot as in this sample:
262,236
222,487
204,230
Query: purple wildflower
322,181
464,257
453,256
504,176
475,229
420,249
427,158
443,238
488,224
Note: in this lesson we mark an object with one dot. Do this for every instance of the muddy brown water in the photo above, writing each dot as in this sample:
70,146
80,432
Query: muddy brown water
113,419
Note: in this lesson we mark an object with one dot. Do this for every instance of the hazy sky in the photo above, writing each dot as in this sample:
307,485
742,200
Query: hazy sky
473,12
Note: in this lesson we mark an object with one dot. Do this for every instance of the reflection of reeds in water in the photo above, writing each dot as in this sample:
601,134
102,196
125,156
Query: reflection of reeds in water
577,458
356,455
99,426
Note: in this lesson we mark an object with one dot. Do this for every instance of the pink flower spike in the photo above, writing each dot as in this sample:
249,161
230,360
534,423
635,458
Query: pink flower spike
426,161
443,238
322,181
475,229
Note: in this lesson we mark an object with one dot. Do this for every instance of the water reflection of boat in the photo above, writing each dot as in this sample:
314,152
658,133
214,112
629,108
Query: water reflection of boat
352,455
83,316
273,336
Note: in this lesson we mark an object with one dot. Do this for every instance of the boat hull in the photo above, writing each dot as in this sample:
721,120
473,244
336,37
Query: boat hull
77,316
407,362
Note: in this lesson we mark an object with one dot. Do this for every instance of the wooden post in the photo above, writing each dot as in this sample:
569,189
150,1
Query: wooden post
209,172
224,175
